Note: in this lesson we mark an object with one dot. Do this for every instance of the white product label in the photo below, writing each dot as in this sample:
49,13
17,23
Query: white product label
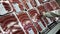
30,6
38,4
16,7
2,9
31,31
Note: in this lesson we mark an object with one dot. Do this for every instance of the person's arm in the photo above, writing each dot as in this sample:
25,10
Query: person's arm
55,13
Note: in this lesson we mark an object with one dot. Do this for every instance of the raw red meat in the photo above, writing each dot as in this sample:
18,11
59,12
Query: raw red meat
27,23
6,5
48,7
41,8
19,4
9,22
37,19
25,4
33,3
54,5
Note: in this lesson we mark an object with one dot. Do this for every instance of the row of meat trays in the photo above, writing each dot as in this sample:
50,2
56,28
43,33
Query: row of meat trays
30,22
16,5
27,22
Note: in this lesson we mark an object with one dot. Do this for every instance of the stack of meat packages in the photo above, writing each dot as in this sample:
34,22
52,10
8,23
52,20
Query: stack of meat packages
25,16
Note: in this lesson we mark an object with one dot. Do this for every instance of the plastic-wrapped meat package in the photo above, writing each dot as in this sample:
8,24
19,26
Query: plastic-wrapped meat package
5,8
17,5
27,23
54,4
37,19
48,7
29,4
16,29
24,2
33,3
41,8
6,5
21,6
9,25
